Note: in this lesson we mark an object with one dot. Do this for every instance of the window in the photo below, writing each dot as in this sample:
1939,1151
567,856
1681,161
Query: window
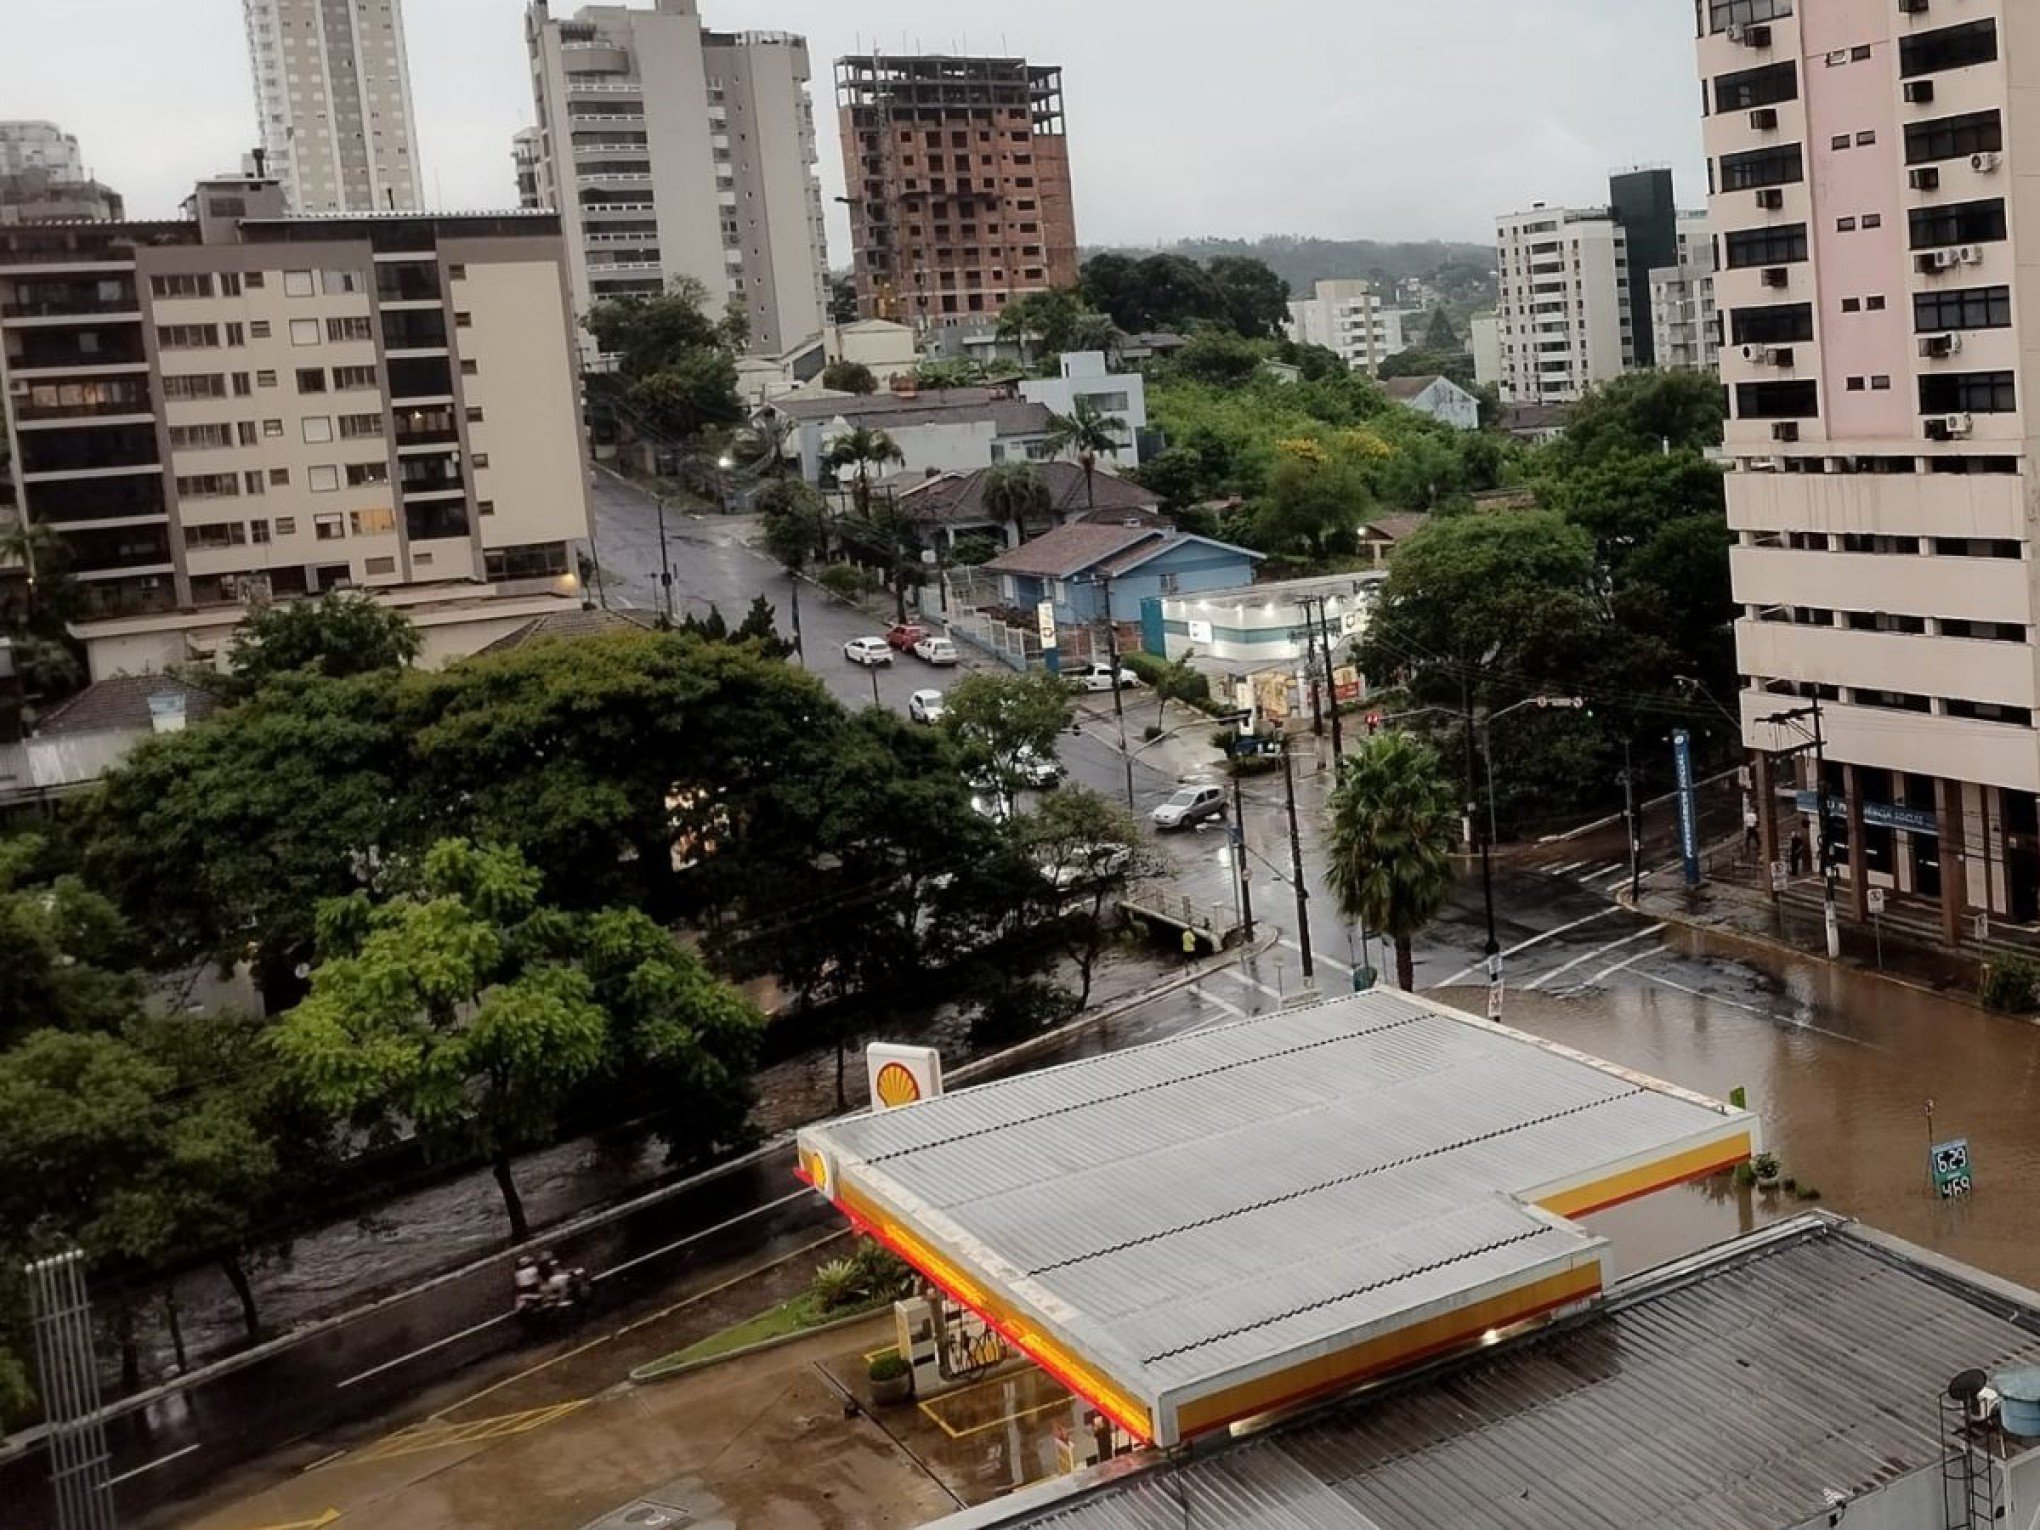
226,534
311,380
252,482
470,369
197,385
1777,400
297,284
1974,42
1766,246
1968,393
356,427
359,328
485,507
1762,167
329,528
1845,225
474,414
235,334
252,280
258,532
196,285
1873,220
241,388
1972,308
1855,385
1839,141
279,478
1880,384
209,486
1873,304
230,284
373,523
353,379
286,525
322,480
248,432
1785,324
186,337
318,429
463,320
336,283
200,437
1866,138
304,331
362,474
1958,223
479,460
1852,305
273,429
1954,137
258,329
457,272
266,378
373,566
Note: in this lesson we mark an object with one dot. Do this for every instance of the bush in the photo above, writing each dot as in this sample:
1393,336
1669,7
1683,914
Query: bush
1151,670
1009,1011
886,1367
845,580
883,1275
1150,733
2011,984
838,1283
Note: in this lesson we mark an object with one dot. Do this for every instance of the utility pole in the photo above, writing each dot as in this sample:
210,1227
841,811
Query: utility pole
1331,682
1472,781
793,587
1493,949
1629,820
1822,838
1118,695
1239,806
1296,864
665,564
1310,669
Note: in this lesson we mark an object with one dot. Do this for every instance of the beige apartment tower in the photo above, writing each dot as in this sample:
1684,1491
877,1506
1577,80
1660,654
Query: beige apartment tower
333,92
1876,174
673,151
1563,321
246,405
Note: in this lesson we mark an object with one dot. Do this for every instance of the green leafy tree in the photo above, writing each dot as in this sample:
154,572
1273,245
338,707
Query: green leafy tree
1014,494
70,960
1051,323
1439,335
693,393
1314,504
849,377
861,450
764,445
1217,358
1002,723
1649,411
842,300
1388,843
337,635
1423,361
881,532
646,334
795,521
1174,293
676,371
1179,680
456,1011
1089,433
1253,300
1086,851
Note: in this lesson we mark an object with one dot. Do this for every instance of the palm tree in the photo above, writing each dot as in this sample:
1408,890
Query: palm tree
1392,825
764,443
863,448
39,552
1087,430
1012,492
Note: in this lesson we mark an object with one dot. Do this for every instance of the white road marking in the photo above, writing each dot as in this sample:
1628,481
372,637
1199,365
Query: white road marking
452,1338
1762,1014
1318,957
1607,972
1568,867
1598,872
1239,976
1535,940
1581,961
151,1466
1232,1010
1616,880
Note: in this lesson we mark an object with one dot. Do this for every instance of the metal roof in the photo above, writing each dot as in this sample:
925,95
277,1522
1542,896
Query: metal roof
1198,1230
1734,1392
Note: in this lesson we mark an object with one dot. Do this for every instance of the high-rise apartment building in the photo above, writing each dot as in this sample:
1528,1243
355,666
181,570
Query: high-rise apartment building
333,92
526,152
1685,323
43,177
26,146
247,405
1564,319
1349,317
1643,206
958,172
669,151
1871,203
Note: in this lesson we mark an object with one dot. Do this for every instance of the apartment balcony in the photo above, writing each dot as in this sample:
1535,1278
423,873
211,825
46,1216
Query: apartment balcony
50,350
98,448
1972,589
102,400
586,58
68,501
595,176
608,149
118,549
604,119
598,210
426,427
1997,754
623,267
579,85
53,311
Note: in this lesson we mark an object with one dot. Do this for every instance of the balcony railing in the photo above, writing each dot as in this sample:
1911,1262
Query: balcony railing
64,308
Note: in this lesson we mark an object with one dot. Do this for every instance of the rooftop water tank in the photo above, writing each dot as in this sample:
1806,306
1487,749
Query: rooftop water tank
2019,1402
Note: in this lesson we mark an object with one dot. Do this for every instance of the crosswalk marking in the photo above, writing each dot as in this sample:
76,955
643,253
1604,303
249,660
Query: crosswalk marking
1569,866
1597,952
1535,940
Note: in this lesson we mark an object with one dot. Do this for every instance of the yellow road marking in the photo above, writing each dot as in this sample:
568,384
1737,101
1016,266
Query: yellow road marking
417,1439
306,1524
998,1423
872,1354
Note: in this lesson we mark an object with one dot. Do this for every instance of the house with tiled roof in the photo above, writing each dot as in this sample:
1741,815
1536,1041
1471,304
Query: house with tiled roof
1439,397
947,430
80,740
1085,570
953,504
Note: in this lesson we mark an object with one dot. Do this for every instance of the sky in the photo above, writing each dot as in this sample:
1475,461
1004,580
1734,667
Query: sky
1344,119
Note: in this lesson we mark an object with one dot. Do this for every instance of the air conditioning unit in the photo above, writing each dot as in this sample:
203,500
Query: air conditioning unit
1778,464
1970,254
1785,430
1986,163
1764,119
17,387
1919,92
1771,199
1912,7
1938,347
1925,179
1958,426
1778,356
1777,276
1748,36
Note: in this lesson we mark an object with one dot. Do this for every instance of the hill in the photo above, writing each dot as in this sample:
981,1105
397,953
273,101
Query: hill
1461,269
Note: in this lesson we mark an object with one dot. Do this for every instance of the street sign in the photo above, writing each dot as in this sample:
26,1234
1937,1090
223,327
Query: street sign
1689,807
1045,615
1494,1000
1781,876
1200,632
1876,900
1953,1171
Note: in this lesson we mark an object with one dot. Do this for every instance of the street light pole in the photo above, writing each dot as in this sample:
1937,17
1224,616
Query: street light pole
793,588
1118,695
665,563
1239,802
1487,885
1829,918
1629,821
1296,863
1331,681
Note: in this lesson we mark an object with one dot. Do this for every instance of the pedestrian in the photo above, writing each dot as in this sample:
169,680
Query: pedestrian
1796,859
1750,838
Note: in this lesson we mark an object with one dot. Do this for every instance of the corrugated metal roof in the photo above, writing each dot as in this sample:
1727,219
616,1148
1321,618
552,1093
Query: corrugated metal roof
1214,1206
1733,1397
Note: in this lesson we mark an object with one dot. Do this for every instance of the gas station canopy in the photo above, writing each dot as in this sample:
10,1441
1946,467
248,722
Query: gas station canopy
1208,1228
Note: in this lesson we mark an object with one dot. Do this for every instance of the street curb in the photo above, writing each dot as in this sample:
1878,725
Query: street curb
649,1374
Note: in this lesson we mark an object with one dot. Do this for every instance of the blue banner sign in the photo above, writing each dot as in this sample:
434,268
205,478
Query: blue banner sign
1876,815
1689,806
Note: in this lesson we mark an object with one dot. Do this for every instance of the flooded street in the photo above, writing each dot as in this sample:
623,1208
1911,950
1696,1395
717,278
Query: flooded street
1841,1067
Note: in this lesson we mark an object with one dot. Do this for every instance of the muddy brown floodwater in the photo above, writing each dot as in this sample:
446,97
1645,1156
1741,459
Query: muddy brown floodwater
1840,1066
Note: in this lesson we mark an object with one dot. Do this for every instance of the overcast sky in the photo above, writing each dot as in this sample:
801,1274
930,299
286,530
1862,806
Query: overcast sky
1352,119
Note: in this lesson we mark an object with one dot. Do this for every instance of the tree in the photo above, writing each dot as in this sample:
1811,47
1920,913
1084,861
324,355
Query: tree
1643,412
795,521
765,443
1001,723
1015,493
1253,300
1439,335
70,956
338,635
1422,361
1392,819
1088,432
849,377
694,392
647,334
842,300
1053,322
863,449
1085,850
675,367
890,537
1222,360
1315,501
1179,680
455,1012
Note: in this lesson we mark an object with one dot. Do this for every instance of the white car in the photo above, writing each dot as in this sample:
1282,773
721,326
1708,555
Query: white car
1098,677
1191,805
1082,865
926,707
937,650
1028,767
868,651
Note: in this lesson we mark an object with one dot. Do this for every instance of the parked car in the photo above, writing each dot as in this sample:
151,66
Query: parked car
904,636
1098,677
1192,805
1082,865
1031,768
867,651
925,707
940,651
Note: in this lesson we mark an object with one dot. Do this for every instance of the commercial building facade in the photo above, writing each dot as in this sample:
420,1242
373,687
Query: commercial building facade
1643,207
958,172
245,406
32,145
1351,318
1684,319
1869,207
672,151
333,99
1564,321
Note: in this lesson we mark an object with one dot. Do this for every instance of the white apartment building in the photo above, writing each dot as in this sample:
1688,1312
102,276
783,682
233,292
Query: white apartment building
1682,305
1875,203
247,405
1119,396
333,94
1563,320
673,151
525,152
1352,318
1484,339
26,146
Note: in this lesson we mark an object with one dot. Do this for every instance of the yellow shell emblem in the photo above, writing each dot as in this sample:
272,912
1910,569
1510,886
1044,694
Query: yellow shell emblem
817,1168
897,1086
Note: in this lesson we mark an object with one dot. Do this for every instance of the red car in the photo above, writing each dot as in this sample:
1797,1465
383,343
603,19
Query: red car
905,636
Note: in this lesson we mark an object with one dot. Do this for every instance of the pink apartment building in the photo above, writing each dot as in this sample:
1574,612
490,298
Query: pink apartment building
1873,165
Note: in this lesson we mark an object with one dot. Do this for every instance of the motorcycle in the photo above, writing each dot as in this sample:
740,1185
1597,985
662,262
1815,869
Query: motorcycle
557,1298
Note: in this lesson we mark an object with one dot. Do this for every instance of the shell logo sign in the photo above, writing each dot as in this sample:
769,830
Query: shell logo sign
901,1076
816,1166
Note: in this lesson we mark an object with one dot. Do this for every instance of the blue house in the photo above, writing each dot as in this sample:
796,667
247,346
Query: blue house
1083,567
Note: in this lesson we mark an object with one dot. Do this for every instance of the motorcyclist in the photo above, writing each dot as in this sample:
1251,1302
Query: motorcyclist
557,1279
526,1281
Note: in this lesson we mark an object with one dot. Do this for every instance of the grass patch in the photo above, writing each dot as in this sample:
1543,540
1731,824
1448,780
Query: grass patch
805,1311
